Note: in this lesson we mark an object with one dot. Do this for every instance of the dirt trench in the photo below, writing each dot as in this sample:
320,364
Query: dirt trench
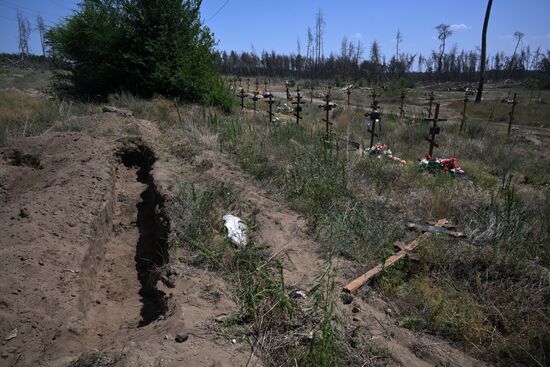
126,294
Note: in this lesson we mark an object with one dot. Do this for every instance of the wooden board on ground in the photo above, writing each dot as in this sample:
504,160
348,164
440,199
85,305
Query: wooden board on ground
405,251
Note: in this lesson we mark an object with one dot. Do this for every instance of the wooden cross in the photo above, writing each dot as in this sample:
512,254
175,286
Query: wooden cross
265,85
247,85
327,107
257,88
373,95
375,116
434,130
255,99
463,113
431,99
401,110
243,96
298,108
240,84
287,92
270,102
348,92
514,103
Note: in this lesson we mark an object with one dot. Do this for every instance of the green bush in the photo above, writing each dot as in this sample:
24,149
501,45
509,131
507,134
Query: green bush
144,47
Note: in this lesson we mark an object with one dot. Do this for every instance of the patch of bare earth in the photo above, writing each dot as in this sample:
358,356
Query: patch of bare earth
86,268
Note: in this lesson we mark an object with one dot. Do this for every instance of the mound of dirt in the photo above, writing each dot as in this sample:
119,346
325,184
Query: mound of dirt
84,257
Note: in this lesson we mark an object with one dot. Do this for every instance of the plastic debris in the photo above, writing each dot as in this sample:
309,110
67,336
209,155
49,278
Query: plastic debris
236,230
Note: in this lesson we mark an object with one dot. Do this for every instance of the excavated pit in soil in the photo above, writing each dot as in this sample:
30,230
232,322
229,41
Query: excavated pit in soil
153,226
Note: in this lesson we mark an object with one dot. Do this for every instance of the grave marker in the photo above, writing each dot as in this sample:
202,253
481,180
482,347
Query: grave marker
298,108
255,99
514,103
243,96
265,85
373,95
348,92
327,107
401,109
434,130
431,100
270,103
247,85
375,116
463,113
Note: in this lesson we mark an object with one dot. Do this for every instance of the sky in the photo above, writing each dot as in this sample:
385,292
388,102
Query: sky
243,25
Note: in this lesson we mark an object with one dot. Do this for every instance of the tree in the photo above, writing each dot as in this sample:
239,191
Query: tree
142,46
41,27
519,37
483,51
375,62
444,31
24,27
319,34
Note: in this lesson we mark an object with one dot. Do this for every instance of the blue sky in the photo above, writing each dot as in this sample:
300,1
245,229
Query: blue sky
276,25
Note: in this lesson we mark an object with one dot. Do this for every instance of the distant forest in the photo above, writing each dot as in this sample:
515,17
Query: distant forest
349,65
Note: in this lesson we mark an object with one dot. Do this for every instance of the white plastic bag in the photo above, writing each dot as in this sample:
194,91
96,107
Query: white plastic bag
236,230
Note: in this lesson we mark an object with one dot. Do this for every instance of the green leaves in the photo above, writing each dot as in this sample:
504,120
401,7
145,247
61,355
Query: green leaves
141,46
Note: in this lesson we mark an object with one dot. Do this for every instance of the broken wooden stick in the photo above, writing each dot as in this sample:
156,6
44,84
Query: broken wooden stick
405,251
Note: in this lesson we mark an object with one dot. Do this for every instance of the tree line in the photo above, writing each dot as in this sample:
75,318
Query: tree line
444,64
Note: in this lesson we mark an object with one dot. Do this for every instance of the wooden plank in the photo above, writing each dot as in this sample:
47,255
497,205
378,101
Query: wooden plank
357,283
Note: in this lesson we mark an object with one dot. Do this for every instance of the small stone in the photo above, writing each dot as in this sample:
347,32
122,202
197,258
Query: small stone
356,319
11,335
355,309
347,298
180,338
4,355
24,213
297,294
41,263
98,301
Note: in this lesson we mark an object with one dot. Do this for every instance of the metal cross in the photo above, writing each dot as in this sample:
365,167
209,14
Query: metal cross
434,130
298,108
463,113
514,103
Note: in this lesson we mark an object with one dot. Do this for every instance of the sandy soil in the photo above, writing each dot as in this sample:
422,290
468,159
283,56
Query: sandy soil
84,233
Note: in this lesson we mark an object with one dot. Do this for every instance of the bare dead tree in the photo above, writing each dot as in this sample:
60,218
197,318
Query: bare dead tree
319,34
41,27
24,27
519,37
444,31
398,40
483,60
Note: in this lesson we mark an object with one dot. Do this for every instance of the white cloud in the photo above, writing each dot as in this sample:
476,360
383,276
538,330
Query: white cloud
460,27
506,37
358,35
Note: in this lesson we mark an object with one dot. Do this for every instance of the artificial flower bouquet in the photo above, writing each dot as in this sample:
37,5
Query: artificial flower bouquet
437,164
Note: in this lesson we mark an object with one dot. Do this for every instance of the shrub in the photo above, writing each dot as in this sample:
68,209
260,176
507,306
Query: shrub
144,47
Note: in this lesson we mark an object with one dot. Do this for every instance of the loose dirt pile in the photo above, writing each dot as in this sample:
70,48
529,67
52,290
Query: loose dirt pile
86,266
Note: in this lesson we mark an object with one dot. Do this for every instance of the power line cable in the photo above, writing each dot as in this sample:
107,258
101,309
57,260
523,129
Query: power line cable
217,12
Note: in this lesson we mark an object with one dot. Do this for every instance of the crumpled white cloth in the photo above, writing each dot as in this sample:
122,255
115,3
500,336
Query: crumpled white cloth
236,230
